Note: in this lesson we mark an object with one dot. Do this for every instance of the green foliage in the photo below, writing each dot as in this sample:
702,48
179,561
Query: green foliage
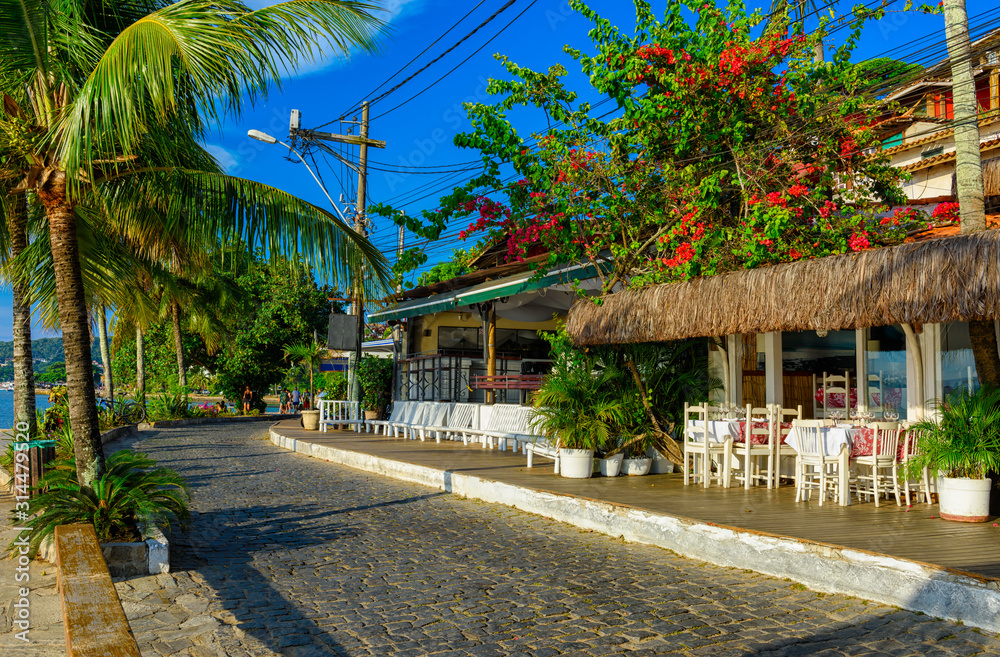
581,408
54,373
335,384
375,376
132,490
171,405
728,151
457,265
965,441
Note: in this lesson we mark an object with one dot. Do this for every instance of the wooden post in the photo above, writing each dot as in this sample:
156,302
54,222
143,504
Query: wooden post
491,342
774,375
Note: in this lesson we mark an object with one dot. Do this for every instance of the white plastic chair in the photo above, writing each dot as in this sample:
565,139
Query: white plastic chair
699,447
885,442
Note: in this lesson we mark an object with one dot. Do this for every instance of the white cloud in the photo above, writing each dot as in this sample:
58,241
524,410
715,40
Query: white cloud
390,11
226,159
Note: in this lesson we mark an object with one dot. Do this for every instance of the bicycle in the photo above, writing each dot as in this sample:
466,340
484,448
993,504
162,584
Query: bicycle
124,410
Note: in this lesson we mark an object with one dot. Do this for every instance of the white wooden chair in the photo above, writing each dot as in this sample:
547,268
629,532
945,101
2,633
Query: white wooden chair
752,451
338,412
399,409
836,385
911,447
699,447
784,416
814,466
885,442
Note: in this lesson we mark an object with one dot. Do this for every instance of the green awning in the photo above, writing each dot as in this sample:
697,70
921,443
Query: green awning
488,291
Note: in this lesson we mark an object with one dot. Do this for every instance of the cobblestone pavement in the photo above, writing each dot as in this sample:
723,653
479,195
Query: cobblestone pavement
294,556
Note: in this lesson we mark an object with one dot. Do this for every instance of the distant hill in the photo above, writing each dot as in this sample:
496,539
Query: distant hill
45,349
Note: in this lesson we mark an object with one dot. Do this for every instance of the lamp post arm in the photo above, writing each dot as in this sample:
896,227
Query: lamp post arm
315,177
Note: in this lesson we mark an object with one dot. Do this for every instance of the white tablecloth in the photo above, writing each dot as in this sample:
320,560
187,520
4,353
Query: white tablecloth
718,430
834,438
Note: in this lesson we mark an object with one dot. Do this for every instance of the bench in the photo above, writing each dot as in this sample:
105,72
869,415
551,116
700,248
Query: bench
506,421
461,418
436,415
413,414
399,409
93,617
537,444
334,412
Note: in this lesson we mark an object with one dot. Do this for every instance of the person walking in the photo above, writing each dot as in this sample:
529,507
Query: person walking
284,401
295,400
247,400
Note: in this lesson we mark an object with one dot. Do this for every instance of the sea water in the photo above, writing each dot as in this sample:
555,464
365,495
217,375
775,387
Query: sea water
7,410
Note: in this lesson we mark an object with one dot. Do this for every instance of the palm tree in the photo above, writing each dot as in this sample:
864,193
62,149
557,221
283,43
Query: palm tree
121,95
308,356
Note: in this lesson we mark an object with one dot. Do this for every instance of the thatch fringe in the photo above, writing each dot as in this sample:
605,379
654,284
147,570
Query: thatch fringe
940,280
991,178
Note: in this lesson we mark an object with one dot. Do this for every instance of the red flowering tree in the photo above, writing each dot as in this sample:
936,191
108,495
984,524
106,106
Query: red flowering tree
723,150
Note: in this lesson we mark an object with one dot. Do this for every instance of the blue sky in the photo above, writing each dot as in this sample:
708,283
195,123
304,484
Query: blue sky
420,132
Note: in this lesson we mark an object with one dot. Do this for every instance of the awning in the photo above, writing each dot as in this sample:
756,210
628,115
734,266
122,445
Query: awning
488,291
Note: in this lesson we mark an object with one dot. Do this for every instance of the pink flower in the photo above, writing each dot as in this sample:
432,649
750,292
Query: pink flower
859,241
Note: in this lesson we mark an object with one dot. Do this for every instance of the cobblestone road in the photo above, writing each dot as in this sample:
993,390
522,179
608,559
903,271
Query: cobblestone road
294,556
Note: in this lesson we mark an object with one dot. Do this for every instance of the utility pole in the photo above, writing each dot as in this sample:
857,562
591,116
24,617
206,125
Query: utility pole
360,225
397,333
969,172
360,218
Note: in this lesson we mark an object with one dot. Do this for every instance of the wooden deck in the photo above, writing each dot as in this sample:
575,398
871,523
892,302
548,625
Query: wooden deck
915,533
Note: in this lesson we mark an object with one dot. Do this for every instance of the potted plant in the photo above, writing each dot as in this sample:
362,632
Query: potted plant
308,356
375,376
582,410
962,445
609,457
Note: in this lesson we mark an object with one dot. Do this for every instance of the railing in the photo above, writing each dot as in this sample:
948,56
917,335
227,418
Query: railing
508,382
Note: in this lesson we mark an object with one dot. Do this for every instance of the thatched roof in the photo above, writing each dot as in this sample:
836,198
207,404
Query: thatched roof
940,280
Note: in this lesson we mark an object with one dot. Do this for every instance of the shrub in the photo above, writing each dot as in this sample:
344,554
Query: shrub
132,490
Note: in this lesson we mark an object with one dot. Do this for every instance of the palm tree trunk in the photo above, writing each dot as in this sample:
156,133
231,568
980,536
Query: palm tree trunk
75,329
24,373
175,311
969,172
102,336
140,366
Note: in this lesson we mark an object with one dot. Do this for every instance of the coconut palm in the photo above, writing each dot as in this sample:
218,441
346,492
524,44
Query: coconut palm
120,96
309,356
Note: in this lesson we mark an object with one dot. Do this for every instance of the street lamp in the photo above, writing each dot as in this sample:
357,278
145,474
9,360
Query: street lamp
268,139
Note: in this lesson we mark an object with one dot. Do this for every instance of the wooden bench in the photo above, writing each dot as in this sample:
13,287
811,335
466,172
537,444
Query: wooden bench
334,412
95,622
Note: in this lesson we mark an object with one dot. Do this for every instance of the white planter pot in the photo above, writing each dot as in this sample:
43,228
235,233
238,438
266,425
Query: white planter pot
636,466
661,464
611,466
310,420
576,463
964,500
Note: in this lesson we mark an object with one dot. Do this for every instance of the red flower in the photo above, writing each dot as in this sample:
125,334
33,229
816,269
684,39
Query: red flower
859,241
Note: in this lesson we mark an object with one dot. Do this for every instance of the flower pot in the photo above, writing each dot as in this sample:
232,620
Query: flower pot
371,415
576,463
636,466
660,464
310,420
964,500
611,466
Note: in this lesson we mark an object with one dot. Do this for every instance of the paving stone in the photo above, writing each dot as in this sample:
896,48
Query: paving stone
297,557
